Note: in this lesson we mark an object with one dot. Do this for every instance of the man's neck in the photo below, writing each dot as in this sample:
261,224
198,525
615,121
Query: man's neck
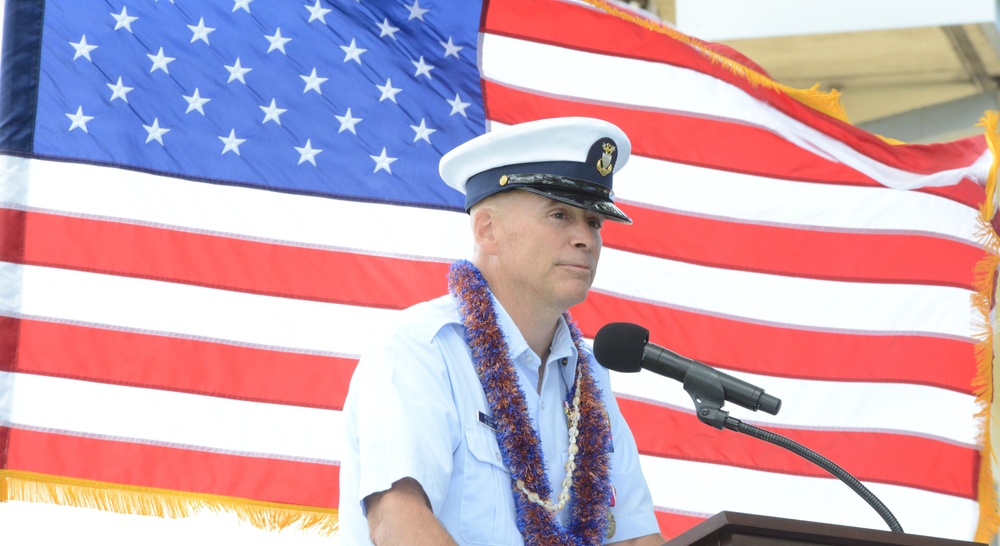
536,326
536,323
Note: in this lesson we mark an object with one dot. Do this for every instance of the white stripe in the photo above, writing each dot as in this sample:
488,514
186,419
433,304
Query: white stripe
88,190
821,304
554,70
830,405
174,418
14,176
713,193
114,193
193,311
709,489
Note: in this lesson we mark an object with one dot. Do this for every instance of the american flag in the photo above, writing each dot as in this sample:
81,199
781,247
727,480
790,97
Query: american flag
210,209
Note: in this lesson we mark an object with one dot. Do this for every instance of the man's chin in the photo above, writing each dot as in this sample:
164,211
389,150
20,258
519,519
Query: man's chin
575,295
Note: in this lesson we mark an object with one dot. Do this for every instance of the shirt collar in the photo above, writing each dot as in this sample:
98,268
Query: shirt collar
562,345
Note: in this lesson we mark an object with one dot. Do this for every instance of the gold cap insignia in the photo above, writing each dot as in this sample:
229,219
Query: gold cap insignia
604,164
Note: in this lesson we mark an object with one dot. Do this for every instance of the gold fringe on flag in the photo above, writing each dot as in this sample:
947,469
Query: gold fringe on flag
984,299
989,123
148,501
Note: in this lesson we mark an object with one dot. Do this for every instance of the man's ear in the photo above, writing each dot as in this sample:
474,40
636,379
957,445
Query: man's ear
484,228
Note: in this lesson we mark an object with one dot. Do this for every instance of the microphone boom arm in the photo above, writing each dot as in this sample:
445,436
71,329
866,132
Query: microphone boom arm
706,390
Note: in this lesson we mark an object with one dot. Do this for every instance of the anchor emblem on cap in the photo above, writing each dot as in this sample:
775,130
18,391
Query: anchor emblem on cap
604,164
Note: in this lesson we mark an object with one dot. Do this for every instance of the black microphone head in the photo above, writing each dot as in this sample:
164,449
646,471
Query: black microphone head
619,346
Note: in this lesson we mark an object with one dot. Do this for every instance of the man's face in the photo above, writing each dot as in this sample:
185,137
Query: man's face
547,250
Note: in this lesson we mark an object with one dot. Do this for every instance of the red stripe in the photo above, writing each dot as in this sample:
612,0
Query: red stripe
672,524
583,28
9,334
940,467
342,277
229,263
184,365
12,234
680,138
4,447
142,465
818,254
709,143
788,352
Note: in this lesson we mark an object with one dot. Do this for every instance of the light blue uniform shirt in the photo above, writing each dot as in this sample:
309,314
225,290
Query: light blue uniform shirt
413,410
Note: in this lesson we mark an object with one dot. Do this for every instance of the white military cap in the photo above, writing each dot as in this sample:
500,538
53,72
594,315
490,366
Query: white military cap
572,160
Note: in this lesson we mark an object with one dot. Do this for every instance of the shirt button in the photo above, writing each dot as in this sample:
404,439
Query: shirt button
499,458
543,406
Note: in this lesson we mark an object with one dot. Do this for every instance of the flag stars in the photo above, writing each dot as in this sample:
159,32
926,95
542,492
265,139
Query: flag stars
237,71
457,106
272,113
347,122
243,5
79,121
385,29
155,132
450,48
422,131
232,144
277,41
382,162
118,91
388,91
83,49
200,31
313,82
307,153
123,20
423,69
160,61
195,102
416,12
353,52
317,12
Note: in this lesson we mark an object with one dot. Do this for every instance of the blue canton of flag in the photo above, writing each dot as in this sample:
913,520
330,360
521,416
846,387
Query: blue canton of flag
340,99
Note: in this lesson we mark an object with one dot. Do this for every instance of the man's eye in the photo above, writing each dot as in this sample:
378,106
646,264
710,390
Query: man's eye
596,224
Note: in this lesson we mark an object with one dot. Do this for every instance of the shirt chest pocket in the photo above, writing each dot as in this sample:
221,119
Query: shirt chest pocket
487,511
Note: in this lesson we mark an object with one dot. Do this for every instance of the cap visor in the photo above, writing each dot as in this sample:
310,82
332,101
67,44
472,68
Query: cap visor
583,201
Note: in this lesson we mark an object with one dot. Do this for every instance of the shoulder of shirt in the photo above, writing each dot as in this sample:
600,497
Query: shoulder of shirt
424,320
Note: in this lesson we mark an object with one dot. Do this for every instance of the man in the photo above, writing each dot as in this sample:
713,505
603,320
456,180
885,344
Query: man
484,419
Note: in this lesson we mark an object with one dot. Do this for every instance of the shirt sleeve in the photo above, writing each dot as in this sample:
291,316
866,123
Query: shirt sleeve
405,418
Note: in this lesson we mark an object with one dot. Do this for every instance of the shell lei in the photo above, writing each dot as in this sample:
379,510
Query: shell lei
519,444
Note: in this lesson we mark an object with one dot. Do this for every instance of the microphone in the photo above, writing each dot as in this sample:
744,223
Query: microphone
625,347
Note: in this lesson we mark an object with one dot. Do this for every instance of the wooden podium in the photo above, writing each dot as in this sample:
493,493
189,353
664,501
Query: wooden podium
736,529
